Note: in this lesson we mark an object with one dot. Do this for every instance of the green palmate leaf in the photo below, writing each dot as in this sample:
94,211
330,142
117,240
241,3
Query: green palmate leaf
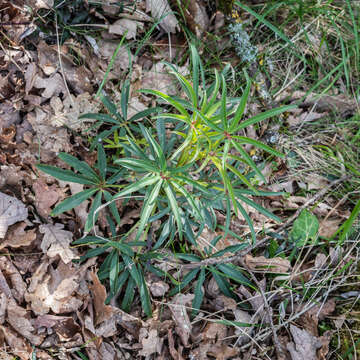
263,116
258,144
174,207
112,206
137,186
145,113
186,280
114,271
129,295
223,104
155,147
189,198
73,201
241,107
125,91
138,165
168,99
257,207
144,293
92,217
80,166
305,228
104,118
101,161
199,293
247,159
65,175
148,207
223,284
232,272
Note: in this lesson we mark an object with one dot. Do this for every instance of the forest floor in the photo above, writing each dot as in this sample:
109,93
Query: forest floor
300,296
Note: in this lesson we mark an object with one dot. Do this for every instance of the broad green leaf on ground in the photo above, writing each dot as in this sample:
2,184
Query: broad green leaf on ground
305,228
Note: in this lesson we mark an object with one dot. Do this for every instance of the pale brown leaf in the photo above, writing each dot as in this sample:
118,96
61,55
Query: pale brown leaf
304,346
11,211
56,241
272,265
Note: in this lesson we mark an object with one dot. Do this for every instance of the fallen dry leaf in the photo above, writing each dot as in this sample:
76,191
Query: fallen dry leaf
64,326
18,345
56,241
161,9
262,264
56,289
305,346
173,352
151,343
328,227
17,236
159,288
180,316
10,273
120,26
102,312
45,196
310,319
20,321
11,211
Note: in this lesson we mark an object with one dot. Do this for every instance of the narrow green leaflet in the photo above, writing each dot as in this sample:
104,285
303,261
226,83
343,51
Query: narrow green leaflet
92,217
137,186
174,206
148,207
78,165
65,175
73,201
199,293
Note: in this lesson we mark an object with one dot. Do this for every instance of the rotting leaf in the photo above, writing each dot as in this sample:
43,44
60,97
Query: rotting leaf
17,236
103,312
18,345
11,211
151,343
181,317
262,264
161,9
20,321
305,346
56,289
56,241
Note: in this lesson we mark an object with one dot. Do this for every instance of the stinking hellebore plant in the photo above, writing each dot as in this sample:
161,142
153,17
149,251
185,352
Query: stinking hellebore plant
187,164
